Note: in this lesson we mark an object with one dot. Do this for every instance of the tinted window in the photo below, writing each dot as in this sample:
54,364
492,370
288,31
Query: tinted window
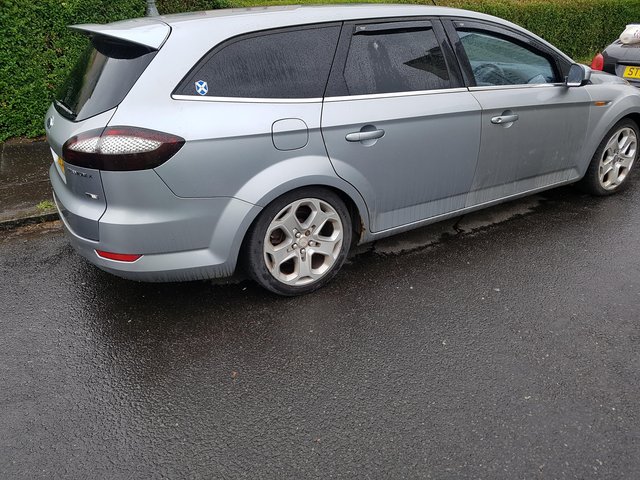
289,64
498,61
101,78
400,60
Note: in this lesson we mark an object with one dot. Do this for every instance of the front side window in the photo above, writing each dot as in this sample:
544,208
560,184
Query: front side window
286,64
496,60
399,60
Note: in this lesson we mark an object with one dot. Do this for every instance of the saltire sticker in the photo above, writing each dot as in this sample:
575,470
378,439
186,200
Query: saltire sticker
201,87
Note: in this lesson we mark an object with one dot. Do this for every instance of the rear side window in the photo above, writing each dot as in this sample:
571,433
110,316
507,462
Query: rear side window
284,64
399,60
101,78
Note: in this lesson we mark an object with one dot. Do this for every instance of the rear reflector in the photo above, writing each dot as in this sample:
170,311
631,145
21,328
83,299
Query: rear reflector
598,62
120,257
121,148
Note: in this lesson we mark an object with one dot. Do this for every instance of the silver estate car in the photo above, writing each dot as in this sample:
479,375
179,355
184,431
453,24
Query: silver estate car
273,139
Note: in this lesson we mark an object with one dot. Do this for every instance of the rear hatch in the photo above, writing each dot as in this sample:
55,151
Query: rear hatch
623,61
114,58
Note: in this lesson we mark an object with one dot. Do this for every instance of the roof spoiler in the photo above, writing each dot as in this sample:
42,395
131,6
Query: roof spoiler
147,32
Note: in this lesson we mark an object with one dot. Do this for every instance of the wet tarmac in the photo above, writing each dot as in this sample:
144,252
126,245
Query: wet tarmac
505,344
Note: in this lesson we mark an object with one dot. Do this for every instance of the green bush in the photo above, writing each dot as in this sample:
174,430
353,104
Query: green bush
37,49
178,6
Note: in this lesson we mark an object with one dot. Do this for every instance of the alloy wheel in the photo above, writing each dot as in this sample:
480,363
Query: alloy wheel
617,158
303,241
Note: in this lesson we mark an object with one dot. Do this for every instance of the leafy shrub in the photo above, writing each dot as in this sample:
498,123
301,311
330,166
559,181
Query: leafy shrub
37,50
178,6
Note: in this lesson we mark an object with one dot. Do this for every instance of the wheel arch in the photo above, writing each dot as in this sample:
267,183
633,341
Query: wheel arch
354,206
635,116
354,202
598,182
347,193
618,111
350,196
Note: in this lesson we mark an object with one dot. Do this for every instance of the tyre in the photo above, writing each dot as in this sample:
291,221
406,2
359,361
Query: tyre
299,241
611,165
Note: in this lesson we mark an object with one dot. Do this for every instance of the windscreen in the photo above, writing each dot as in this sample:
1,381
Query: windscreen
102,77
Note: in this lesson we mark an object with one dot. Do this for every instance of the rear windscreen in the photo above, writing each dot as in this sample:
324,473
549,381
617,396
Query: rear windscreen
102,77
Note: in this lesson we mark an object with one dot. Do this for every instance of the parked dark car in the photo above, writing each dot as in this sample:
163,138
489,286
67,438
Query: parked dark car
621,60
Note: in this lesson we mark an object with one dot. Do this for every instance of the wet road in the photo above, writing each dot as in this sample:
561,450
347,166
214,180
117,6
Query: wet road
504,345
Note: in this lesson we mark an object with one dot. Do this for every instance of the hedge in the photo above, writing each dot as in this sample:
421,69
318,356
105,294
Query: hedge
37,49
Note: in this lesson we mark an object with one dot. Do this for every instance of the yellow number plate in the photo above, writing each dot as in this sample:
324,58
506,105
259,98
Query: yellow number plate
632,72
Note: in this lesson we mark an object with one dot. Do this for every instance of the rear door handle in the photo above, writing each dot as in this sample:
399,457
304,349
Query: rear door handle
362,136
502,119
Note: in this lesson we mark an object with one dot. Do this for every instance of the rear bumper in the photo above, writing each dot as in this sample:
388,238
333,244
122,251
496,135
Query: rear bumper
618,69
179,239
160,267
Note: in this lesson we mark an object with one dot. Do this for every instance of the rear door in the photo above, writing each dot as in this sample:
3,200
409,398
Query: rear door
532,124
397,123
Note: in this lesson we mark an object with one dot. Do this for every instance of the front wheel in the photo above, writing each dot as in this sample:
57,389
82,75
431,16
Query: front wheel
299,241
610,166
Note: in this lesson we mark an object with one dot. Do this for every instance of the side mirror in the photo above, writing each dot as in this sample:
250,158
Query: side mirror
578,75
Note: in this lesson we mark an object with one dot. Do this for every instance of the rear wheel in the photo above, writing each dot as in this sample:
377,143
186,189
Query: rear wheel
611,165
299,242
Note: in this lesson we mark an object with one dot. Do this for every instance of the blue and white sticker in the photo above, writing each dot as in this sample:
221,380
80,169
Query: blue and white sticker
201,87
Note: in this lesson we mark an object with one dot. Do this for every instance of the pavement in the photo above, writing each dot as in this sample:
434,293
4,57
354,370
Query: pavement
25,192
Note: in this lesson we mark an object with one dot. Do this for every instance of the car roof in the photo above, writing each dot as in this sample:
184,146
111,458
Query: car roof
301,14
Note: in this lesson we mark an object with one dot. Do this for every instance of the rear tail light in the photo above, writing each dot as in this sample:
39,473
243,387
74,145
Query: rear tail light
121,148
598,62
120,257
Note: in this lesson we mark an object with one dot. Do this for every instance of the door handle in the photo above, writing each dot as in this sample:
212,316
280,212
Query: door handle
502,119
362,136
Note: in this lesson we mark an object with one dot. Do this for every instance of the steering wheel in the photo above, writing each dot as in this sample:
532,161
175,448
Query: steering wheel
490,74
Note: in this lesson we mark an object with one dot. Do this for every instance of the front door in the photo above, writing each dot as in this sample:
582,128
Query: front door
532,124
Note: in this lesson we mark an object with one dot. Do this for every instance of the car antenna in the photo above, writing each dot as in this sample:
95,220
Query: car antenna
434,3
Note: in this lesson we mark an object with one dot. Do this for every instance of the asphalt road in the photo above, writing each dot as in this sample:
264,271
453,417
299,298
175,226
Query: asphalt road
504,345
